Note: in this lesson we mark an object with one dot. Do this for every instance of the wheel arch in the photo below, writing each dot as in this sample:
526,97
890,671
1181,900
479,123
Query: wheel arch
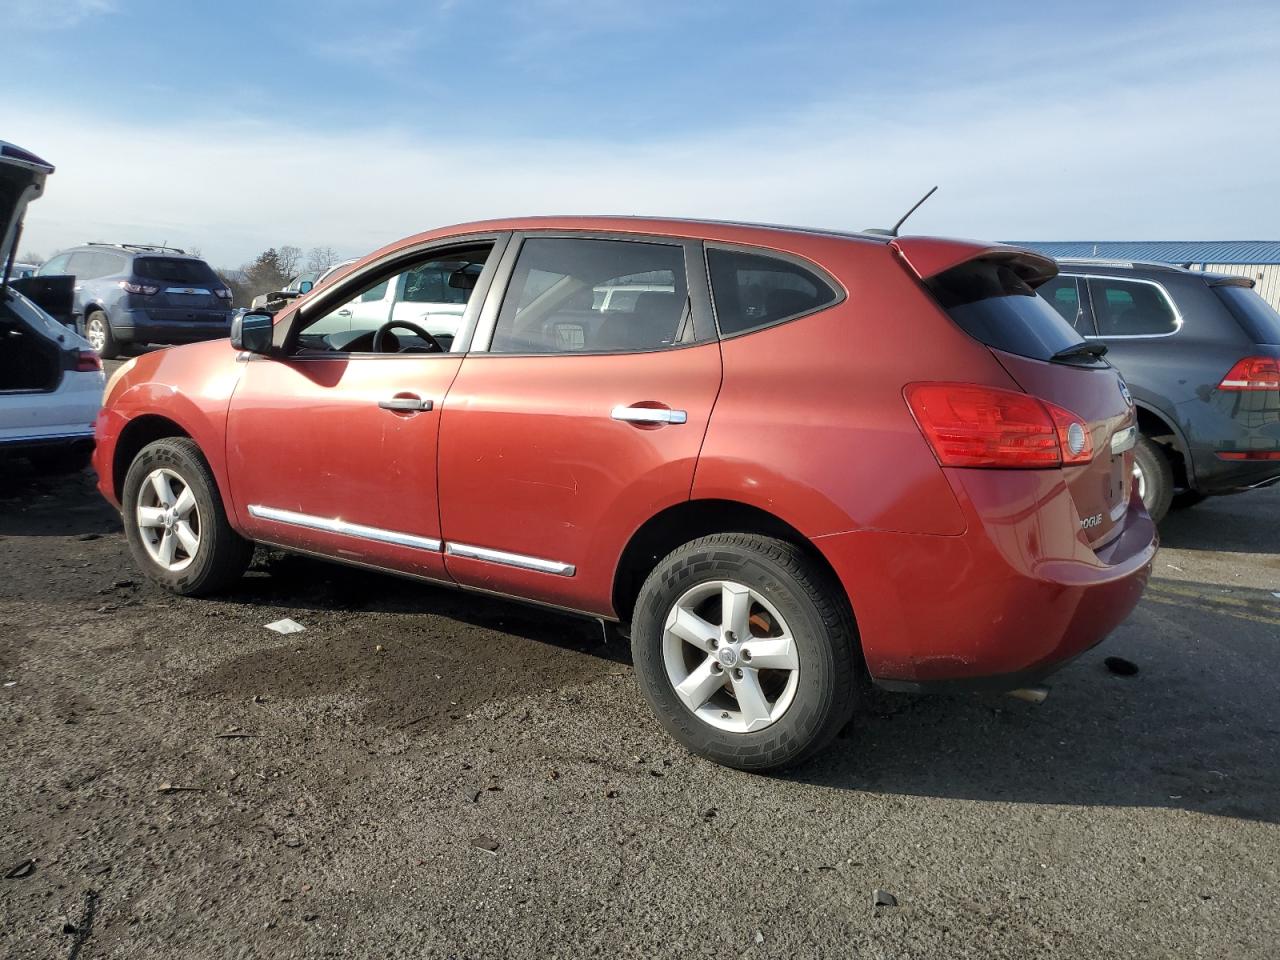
136,434
1154,424
688,520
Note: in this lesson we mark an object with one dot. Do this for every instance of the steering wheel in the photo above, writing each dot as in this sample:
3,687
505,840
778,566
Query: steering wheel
383,330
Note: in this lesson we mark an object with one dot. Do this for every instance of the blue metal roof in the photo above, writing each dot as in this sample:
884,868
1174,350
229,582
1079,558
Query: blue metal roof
1163,251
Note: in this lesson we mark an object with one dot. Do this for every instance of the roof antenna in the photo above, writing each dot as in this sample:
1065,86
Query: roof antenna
919,203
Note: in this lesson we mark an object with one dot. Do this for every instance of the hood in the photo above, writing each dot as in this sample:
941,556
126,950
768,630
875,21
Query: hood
22,176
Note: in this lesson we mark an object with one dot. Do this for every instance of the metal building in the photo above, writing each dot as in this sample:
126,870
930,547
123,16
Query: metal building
1259,260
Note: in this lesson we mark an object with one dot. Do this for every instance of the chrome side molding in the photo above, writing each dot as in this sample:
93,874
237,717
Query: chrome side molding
510,559
334,525
360,531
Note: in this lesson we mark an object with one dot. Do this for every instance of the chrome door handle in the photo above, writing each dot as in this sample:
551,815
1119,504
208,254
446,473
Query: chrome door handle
648,415
344,312
405,404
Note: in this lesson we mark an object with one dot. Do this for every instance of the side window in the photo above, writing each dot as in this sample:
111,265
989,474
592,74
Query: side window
1125,308
56,267
363,307
595,296
80,265
752,290
1063,294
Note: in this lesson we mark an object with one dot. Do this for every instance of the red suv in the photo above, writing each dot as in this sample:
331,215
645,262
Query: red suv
788,459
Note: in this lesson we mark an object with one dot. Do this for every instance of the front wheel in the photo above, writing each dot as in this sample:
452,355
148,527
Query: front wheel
175,523
745,649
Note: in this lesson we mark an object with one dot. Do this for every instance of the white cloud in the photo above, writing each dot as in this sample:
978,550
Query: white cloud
1174,157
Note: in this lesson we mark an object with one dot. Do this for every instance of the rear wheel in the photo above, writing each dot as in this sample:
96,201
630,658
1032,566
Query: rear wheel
175,523
97,330
1153,476
745,649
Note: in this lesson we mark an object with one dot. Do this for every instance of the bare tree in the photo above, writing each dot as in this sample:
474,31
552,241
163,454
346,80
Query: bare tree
320,259
31,257
289,259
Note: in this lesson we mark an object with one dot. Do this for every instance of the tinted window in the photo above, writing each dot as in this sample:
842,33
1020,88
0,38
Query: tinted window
992,303
80,265
1063,294
103,264
750,290
1254,314
1126,308
173,270
559,288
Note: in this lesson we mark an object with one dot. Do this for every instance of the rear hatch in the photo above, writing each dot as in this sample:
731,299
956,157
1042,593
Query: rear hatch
22,176
186,289
990,294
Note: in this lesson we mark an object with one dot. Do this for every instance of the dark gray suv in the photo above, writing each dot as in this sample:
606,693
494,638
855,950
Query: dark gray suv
137,293
1201,355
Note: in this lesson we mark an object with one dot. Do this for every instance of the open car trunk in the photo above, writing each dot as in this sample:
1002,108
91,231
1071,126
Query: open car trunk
29,362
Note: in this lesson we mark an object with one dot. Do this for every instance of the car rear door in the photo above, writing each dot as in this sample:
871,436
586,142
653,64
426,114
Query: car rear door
570,427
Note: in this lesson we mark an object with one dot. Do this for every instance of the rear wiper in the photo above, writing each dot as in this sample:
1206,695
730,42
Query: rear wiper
1085,348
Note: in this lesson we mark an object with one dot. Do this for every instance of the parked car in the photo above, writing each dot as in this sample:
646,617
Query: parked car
908,467
1201,355
20,270
50,380
142,293
299,285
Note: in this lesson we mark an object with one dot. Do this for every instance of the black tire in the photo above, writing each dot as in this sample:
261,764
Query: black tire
818,617
110,346
1186,499
1151,458
65,460
222,555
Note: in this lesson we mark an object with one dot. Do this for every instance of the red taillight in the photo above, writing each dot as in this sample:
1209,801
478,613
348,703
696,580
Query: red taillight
1251,455
143,288
974,426
87,362
1253,373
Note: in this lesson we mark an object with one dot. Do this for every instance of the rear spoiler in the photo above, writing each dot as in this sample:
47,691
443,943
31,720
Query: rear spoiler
1234,282
929,256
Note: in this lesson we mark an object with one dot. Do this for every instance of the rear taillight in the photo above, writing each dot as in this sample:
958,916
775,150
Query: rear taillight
1253,373
143,288
88,362
969,425
222,293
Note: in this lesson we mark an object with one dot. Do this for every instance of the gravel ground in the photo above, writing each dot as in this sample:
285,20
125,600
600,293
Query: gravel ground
423,773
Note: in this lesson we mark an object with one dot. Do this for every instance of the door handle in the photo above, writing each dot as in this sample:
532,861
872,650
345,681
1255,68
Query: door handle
344,312
405,404
648,415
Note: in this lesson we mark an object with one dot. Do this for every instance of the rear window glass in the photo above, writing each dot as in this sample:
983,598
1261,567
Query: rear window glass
1063,294
993,304
1259,320
752,291
173,270
1130,308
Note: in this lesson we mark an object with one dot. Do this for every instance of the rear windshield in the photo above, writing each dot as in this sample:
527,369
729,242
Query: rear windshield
993,304
173,270
1259,319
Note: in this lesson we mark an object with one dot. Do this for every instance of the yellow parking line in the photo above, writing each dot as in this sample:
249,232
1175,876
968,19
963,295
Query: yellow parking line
1209,608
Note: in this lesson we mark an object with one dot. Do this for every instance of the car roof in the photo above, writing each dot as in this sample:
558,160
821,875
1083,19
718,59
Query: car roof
1074,265
134,249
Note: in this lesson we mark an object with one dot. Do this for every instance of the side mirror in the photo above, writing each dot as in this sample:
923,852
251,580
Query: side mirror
305,286
252,332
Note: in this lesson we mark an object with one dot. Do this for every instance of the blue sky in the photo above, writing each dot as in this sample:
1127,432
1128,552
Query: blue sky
234,126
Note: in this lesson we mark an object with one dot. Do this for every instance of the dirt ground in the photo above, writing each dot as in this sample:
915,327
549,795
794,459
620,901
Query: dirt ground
423,773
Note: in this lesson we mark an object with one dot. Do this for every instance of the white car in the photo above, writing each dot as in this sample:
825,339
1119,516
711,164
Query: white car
50,379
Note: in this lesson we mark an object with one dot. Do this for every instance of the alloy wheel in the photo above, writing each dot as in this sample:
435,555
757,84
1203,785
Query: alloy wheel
96,334
1140,481
168,519
730,656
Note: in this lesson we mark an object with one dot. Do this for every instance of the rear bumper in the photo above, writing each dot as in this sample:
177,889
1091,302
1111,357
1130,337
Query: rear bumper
1015,597
56,440
139,326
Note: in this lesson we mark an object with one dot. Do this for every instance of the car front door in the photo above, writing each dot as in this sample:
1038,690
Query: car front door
568,426
331,446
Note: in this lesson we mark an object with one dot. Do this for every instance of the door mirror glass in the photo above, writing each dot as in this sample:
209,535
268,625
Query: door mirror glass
305,286
252,332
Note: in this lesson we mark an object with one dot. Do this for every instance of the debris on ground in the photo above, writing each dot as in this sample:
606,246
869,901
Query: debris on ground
759,937
1121,667
883,898
170,788
485,843
23,869
285,626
